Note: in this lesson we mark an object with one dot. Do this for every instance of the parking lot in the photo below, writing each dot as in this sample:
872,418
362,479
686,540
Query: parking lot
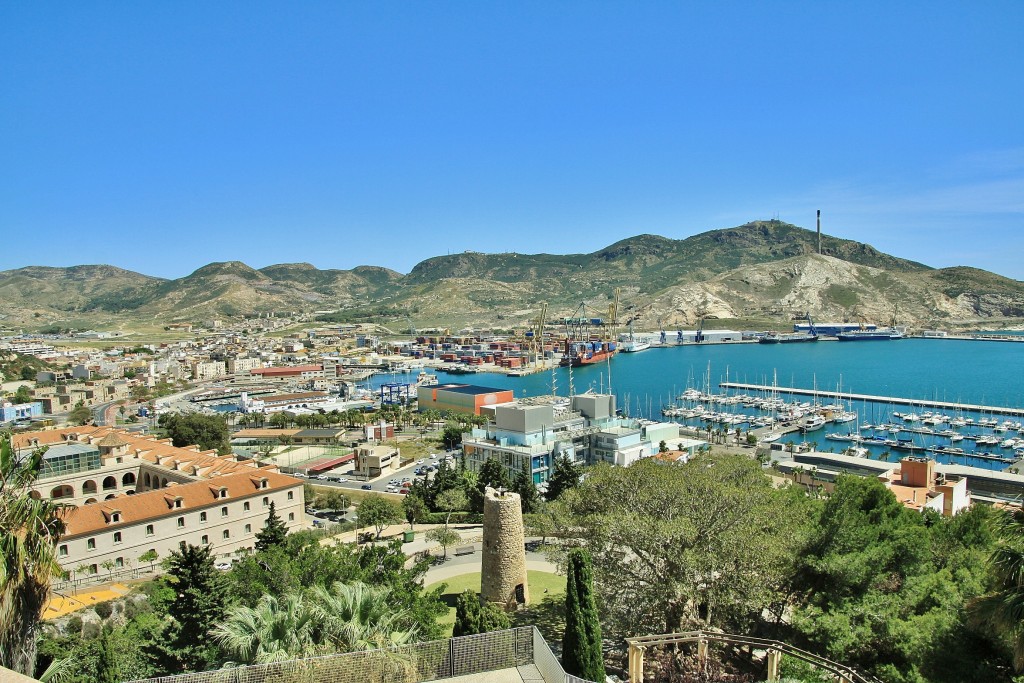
389,482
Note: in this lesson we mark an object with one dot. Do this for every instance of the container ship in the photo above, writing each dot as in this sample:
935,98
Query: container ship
577,353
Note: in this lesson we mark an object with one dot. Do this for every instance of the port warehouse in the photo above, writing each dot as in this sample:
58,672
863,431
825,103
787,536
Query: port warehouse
461,398
832,329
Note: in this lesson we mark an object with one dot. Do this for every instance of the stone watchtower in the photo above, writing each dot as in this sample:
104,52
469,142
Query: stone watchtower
503,571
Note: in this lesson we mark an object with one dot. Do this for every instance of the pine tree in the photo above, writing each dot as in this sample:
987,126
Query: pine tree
581,644
523,484
467,614
107,667
565,476
273,532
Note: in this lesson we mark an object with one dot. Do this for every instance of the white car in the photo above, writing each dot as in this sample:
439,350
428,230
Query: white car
340,479
420,461
223,566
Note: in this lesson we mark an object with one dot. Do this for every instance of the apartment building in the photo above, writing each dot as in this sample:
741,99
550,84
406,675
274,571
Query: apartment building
128,494
208,369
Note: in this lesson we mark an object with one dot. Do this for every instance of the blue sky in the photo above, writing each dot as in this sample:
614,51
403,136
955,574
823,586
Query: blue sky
162,136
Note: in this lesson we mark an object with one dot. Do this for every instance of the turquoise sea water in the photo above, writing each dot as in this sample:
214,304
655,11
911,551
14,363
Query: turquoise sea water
958,371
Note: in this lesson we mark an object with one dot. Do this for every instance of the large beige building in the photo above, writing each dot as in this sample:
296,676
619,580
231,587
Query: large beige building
129,494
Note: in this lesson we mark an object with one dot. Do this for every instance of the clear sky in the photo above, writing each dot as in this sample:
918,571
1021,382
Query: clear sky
161,136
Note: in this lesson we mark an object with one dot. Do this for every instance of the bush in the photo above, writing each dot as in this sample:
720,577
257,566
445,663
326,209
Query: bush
104,609
74,626
91,630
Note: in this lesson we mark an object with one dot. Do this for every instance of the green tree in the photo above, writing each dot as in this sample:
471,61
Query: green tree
22,395
80,414
377,511
444,537
414,509
209,432
450,501
472,617
273,532
150,556
467,614
198,606
523,484
566,475
108,668
1003,608
29,531
704,544
581,644
28,373
452,435
662,447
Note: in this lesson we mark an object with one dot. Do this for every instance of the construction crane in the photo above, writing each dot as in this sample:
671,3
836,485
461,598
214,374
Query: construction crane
613,314
537,343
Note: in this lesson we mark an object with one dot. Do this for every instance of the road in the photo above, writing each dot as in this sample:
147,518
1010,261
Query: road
380,483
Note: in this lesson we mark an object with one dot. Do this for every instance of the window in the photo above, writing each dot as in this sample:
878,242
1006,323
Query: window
223,493
291,516
63,551
224,511
226,534
205,540
248,528
181,545
202,516
94,569
149,530
119,562
117,537
115,517
91,544
245,506
291,495
181,522
177,502
266,501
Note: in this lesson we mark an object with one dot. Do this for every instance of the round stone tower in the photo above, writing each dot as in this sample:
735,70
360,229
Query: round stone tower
503,570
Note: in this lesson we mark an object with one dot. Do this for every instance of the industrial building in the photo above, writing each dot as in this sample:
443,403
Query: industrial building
460,398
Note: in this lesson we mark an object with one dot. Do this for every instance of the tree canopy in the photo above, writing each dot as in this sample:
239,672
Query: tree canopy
209,432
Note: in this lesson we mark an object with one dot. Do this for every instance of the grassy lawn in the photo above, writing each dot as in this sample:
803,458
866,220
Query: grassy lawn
545,609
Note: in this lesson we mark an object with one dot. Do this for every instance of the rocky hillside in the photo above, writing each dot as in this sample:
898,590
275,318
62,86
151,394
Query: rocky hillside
762,273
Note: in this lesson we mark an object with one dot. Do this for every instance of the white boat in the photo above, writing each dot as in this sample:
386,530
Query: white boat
633,346
812,423
771,437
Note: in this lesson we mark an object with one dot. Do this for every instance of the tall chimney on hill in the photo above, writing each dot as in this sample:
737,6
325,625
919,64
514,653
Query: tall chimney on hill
819,231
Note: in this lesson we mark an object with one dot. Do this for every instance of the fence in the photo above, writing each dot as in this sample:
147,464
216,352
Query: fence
419,663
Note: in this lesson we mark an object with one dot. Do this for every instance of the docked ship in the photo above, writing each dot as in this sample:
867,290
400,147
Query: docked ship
633,345
885,334
586,353
812,423
795,337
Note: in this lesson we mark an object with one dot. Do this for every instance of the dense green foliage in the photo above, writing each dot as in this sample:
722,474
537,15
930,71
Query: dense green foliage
472,617
566,475
582,654
522,483
209,432
377,511
273,533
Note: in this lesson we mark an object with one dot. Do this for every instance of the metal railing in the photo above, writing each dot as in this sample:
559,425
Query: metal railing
418,663
841,671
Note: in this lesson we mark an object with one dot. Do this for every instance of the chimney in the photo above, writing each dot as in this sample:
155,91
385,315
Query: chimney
819,231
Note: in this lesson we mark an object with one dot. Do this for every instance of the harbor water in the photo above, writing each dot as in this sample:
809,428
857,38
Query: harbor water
954,371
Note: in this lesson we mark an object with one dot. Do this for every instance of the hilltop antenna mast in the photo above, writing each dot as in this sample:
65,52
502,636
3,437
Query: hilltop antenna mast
819,232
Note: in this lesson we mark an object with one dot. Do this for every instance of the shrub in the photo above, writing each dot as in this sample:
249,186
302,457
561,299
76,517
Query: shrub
74,626
104,609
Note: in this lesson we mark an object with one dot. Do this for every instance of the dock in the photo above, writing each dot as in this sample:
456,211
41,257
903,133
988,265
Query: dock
896,400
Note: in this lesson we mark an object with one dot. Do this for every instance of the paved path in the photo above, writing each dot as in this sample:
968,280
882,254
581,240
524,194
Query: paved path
535,562
61,604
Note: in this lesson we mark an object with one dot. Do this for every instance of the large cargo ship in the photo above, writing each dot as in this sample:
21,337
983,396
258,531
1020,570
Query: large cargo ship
885,334
577,353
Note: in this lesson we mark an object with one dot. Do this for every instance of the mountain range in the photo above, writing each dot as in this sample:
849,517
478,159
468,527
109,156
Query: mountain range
760,274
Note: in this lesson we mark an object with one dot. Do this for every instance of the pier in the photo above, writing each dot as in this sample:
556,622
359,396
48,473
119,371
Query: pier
897,400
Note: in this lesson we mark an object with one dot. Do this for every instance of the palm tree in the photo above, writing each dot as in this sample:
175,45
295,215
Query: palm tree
361,617
29,530
277,629
1003,609
342,618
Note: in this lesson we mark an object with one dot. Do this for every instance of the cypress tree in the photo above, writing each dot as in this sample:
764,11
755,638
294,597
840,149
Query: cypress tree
273,531
581,643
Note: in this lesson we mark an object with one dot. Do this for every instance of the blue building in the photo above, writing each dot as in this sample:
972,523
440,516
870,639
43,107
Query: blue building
9,412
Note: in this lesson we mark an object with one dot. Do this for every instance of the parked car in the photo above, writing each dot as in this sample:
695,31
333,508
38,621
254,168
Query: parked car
223,566
366,487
